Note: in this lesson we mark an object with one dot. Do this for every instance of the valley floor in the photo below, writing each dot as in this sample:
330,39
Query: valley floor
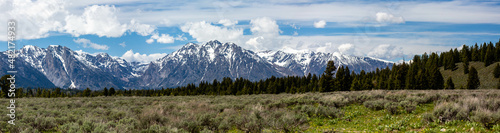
358,111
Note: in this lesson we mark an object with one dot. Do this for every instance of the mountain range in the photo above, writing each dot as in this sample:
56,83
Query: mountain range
58,66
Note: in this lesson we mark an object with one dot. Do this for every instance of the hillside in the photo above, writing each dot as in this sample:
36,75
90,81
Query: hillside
485,75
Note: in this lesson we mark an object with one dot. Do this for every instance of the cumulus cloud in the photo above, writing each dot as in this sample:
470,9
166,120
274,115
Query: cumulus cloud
386,51
141,29
144,58
204,31
35,18
346,48
88,44
383,17
320,24
227,22
98,20
164,38
265,32
264,26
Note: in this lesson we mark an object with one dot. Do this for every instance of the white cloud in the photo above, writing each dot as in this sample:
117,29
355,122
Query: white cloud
164,38
227,22
264,26
320,24
122,44
88,44
141,29
386,51
34,19
255,41
264,34
383,17
144,58
346,48
98,20
204,31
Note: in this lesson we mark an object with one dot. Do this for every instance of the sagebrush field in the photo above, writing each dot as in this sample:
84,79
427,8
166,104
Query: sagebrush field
371,111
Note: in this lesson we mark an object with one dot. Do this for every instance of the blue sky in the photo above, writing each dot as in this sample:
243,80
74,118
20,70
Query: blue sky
144,30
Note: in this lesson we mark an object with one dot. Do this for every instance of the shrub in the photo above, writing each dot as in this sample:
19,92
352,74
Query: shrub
486,117
375,105
428,117
44,123
30,130
408,106
395,97
287,121
391,107
450,111
208,120
100,128
255,124
70,128
87,126
191,126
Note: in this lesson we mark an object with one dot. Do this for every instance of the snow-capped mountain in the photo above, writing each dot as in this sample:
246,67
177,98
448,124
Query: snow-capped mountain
76,69
303,63
193,63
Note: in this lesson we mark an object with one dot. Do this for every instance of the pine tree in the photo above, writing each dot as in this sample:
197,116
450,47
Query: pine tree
466,66
475,53
465,53
473,79
437,81
450,64
489,57
329,72
498,84
5,84
112,91
86,92
449,84
340,79
356,84
105,92
496,71
57,92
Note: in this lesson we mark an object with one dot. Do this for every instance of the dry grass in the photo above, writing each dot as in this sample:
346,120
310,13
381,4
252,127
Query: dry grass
247,113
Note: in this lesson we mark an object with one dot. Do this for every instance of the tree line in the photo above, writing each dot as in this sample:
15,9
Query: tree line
421,73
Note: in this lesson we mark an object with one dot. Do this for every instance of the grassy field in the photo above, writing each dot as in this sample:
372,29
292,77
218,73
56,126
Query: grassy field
370,111
485,74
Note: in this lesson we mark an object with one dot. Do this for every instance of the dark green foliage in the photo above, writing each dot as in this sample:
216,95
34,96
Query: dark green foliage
5,85
87,92
473,79
498,84
496,71
328,82
449,84
450,61
105,92
466,67
489,57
